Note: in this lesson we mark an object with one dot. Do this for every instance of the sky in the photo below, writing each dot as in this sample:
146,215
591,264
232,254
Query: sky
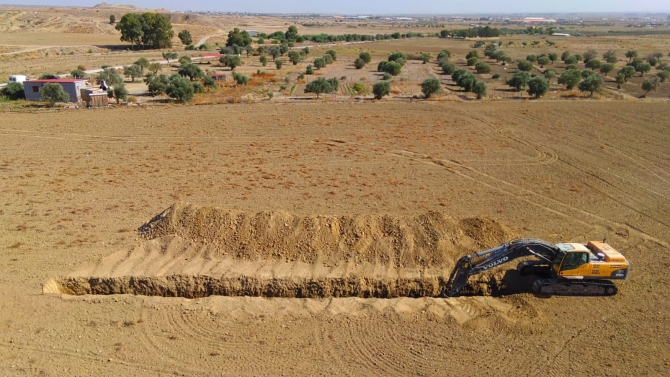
379,7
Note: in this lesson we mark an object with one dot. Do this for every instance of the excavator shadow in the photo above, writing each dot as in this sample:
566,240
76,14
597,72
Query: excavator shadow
511,283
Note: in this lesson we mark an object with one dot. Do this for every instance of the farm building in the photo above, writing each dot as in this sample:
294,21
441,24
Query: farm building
94,97
71,86
252,33
218,76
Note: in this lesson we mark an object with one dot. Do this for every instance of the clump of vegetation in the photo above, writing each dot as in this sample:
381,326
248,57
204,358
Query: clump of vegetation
322,85
381,88
430,86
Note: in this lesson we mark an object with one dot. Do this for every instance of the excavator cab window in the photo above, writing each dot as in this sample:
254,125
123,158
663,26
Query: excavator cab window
574,260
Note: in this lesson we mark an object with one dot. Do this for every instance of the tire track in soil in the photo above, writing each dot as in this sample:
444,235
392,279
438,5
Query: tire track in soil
545,155
187,343
603,145
595,176
366,348
644,166
81,355
454,166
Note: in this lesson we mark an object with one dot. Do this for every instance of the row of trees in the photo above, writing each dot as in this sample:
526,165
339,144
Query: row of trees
476,32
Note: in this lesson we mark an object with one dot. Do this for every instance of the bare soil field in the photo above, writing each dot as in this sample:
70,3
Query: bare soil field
320,197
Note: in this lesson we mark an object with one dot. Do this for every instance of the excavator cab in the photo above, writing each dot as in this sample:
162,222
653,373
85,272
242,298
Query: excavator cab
571,263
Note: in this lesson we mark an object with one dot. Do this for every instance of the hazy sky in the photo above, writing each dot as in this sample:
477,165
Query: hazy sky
383,6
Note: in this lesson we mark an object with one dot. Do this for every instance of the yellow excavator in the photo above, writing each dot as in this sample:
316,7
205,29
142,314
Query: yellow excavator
568,269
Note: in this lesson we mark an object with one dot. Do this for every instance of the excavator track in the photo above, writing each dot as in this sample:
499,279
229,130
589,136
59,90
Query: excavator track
582,287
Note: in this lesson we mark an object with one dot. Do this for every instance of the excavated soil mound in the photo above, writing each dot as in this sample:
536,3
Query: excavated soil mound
190,251
431,239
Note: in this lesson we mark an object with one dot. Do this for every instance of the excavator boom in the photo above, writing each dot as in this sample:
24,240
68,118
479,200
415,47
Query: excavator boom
477,263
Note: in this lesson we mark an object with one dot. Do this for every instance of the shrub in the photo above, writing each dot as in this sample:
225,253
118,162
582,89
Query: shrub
198,88
180,88
472,61
479,89
525,65
495,76
52,93
519,80
543,60
651,85
593,63
448,68
333,54
570,60
359,63
592,83
606,68
279,63
538,86
209,82
570,78
320,85
430,86
78,73
14,91
482,67
240,79
387,76
381,89
365,56
393,67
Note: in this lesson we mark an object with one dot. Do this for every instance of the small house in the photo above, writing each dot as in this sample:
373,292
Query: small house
218,76
71,86
252,33
94,97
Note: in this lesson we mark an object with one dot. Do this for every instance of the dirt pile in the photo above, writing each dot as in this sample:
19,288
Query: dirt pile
428,240
190,251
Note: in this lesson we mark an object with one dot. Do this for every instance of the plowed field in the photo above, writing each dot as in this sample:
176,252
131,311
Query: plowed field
327,227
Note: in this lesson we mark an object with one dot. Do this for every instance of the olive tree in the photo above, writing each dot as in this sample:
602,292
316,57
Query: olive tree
14,91
180,88
606,68
650,85
543,60
381,88
479,88
319,86
365,56
570,78
519,80
525,65
132,71
538,86
430,86
592,83
52,93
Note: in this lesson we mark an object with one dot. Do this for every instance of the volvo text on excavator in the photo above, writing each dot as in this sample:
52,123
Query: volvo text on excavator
569,269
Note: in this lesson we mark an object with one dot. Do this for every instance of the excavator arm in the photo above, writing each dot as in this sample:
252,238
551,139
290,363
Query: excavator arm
477,263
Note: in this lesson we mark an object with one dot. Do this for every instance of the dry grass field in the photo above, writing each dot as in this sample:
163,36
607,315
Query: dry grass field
76,185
